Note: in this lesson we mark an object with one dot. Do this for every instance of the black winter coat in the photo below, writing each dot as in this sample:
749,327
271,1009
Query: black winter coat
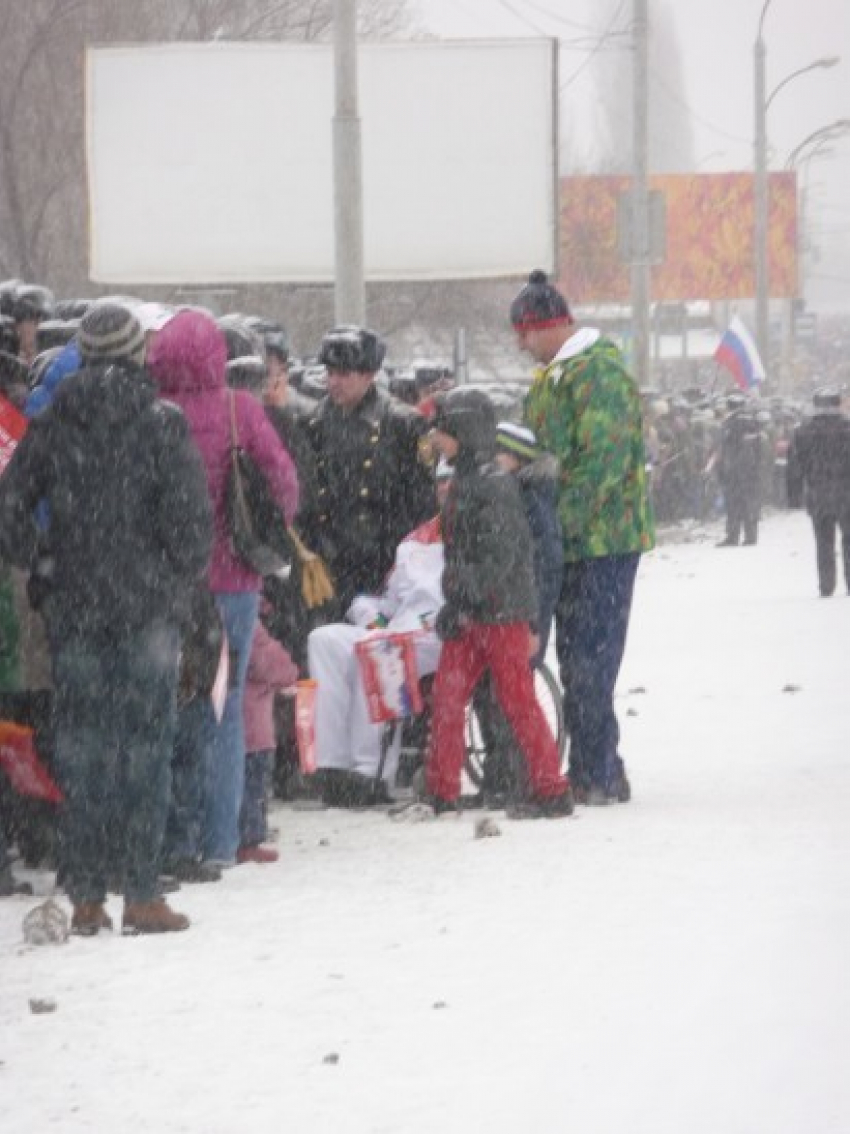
739,468
373,489
291,428
818,470
488,575
129,522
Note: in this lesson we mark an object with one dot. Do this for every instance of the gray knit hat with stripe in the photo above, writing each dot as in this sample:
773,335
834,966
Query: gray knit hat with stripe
110,331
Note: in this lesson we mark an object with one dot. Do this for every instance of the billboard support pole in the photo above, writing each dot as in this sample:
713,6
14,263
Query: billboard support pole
349,293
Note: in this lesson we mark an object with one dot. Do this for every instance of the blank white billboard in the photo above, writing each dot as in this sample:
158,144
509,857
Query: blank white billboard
212,163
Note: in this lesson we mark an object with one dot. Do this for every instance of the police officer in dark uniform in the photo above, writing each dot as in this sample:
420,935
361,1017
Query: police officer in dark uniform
375,482
739,470
818,475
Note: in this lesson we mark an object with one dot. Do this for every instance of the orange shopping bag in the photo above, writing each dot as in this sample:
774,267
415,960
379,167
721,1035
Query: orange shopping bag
305,723
19,760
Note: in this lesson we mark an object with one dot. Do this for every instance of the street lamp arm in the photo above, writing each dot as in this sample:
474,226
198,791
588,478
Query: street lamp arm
826,134
831,61
764,9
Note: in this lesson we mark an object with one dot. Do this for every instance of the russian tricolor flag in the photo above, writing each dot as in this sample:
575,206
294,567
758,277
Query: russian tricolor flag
738,353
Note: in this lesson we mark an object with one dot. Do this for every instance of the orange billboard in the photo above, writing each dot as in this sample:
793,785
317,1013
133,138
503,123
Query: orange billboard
709,250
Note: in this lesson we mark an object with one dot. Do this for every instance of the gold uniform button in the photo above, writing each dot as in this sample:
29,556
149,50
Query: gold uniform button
364,491
367,464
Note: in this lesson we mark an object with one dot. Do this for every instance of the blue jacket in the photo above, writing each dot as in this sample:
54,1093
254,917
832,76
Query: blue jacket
66,363
538,483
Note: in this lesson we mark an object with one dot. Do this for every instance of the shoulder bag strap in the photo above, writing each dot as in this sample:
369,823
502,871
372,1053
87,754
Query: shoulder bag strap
241,502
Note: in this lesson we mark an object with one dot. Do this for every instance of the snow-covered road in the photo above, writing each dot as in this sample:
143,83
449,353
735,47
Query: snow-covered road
675,966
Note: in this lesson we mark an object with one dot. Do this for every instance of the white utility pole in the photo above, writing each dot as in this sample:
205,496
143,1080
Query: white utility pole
350,294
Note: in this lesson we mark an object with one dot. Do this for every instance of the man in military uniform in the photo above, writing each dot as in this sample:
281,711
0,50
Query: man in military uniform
818,475
374,477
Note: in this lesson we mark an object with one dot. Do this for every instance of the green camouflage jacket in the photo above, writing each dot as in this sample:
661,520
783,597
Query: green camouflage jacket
586,410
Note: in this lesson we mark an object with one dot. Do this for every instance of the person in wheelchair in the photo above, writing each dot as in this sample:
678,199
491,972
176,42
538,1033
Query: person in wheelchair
348,742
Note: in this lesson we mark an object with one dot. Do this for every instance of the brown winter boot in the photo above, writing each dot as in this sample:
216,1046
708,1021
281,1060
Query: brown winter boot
89,918
152,917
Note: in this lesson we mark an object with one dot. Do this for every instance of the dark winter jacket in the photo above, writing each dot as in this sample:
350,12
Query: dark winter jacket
538,483
488,576
373,488
291,428
288,619
130,526
818,470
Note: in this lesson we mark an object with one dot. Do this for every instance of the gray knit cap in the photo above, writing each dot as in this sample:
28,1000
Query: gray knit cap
111,331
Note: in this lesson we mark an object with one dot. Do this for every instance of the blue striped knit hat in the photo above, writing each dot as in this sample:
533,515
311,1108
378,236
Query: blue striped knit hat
517,440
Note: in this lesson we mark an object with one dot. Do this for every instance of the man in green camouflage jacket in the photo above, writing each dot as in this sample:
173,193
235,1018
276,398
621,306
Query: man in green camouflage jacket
584,407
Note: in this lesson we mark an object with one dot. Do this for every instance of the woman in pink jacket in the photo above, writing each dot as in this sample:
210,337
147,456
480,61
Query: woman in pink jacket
270,670
188,358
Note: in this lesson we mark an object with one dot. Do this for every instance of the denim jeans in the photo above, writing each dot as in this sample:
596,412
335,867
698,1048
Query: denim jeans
182,842
591,622
114,718
253,826
224,765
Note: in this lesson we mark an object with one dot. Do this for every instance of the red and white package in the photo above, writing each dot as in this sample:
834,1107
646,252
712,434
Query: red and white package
390,674
305,724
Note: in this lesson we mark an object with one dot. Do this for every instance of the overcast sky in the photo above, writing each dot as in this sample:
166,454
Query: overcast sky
716,39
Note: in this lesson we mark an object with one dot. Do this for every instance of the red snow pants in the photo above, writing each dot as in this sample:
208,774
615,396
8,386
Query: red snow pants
503,649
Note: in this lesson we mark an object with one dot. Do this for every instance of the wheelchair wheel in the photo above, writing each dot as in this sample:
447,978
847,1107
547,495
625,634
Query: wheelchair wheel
550,699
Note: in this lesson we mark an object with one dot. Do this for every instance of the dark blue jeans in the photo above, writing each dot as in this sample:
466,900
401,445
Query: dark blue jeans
225,746
114,717
591,623
182,840
253,826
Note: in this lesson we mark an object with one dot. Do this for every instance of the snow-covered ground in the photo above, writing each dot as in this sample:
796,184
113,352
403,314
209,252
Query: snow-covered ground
675,966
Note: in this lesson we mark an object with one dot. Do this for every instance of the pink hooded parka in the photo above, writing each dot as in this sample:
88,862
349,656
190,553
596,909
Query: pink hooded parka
187,359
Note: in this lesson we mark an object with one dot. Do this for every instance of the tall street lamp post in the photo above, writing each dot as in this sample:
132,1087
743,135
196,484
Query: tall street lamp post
640,250
762,105
760,189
